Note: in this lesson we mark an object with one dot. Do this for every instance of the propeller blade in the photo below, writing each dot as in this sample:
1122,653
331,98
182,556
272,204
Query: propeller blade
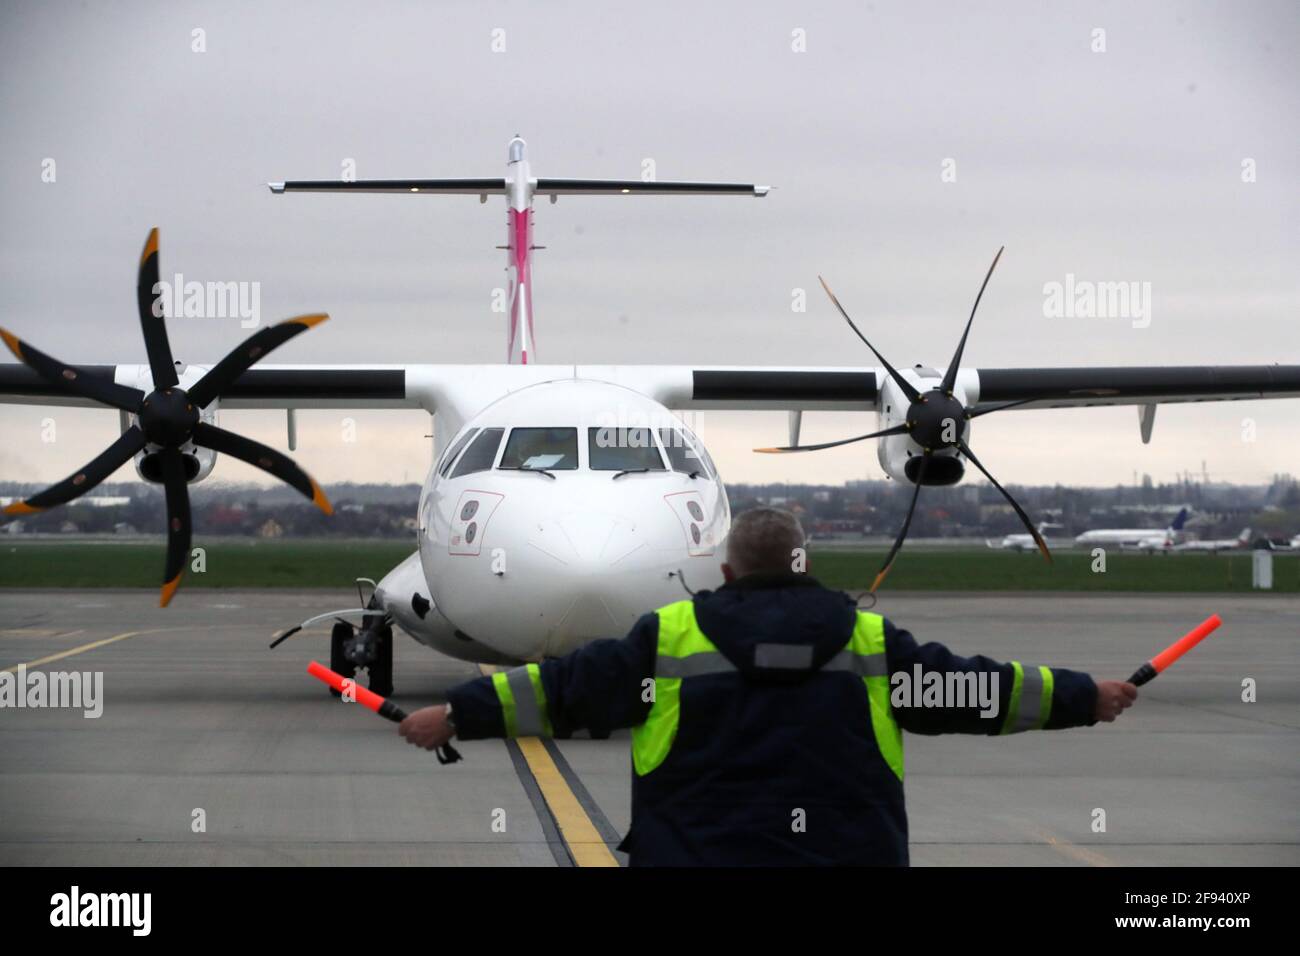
985,410
898,542
178,521
907,387
1024,518
148,296
950,377
222,375
260,456
71,378
109,460
895,430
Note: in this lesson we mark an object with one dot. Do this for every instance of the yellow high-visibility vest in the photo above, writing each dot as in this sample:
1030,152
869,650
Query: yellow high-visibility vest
685,652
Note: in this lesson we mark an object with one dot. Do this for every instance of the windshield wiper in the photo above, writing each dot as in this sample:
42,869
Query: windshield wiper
539,471
628,471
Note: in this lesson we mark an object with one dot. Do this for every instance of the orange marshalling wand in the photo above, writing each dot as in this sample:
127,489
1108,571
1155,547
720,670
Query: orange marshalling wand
372,701
366,698
1175,650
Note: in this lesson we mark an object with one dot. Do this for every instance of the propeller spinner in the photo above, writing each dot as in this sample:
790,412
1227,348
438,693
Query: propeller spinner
934,420
167,418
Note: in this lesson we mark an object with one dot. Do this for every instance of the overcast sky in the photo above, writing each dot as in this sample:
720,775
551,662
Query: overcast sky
1122,165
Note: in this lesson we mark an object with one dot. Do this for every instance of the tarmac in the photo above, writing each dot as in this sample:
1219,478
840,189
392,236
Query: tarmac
213,750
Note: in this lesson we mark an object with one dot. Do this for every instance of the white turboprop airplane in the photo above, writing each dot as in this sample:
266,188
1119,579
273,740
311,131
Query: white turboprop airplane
1135,538
564,500
1025,542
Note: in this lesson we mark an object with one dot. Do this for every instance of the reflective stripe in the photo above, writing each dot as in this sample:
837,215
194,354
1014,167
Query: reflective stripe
507,699
524,685
1013,702
868,643
1045,708
1030,704
709,662
1031,697
791,657
864,665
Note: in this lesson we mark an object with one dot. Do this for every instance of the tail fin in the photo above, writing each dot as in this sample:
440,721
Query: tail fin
1179,521
519,188
1244,537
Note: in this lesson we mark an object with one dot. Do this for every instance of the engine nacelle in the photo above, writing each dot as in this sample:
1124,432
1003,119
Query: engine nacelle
199,462
899,455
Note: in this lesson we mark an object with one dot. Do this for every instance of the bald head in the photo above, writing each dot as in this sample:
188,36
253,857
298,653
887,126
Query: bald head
763,541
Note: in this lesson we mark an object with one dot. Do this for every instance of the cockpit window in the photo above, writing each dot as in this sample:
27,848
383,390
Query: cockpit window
456,450
481,453
682,454
549,449
622,449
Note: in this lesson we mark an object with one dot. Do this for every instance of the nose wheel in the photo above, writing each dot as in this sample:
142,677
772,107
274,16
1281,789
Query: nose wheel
368,648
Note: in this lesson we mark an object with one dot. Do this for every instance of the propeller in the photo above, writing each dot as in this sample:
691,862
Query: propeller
934,420
167,418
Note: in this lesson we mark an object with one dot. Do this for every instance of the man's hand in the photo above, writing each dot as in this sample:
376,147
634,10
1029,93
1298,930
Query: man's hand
1113,696
427,727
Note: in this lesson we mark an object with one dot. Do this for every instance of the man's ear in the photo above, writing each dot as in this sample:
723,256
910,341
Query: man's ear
728,574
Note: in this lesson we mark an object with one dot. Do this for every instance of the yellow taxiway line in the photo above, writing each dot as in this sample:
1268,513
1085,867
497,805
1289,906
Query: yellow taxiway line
579,834
80,650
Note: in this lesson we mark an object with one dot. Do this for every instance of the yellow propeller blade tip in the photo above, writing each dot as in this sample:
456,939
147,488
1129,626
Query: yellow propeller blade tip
21,508
879,577
15,346
311,320
150,245
169,589
319,500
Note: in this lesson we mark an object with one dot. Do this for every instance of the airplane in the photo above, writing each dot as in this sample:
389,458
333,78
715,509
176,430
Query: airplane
1133,537
1024,542
563,500
1162,542
1215,546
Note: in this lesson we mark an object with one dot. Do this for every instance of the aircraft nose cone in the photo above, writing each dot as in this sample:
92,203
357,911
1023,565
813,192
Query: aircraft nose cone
587,543
588,547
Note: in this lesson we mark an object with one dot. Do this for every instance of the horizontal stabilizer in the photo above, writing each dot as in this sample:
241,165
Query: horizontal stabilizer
463,187
619,187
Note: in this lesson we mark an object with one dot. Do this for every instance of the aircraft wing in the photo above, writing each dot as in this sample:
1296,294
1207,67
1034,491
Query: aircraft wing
466,388
323,386
1154,385
847,389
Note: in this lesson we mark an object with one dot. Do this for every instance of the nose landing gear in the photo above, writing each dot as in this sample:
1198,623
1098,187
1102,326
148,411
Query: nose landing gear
369,648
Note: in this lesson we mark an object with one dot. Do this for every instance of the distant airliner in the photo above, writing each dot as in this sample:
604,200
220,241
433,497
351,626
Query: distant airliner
1143,538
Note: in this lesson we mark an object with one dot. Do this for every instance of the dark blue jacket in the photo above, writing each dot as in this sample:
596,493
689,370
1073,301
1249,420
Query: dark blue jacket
768,767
